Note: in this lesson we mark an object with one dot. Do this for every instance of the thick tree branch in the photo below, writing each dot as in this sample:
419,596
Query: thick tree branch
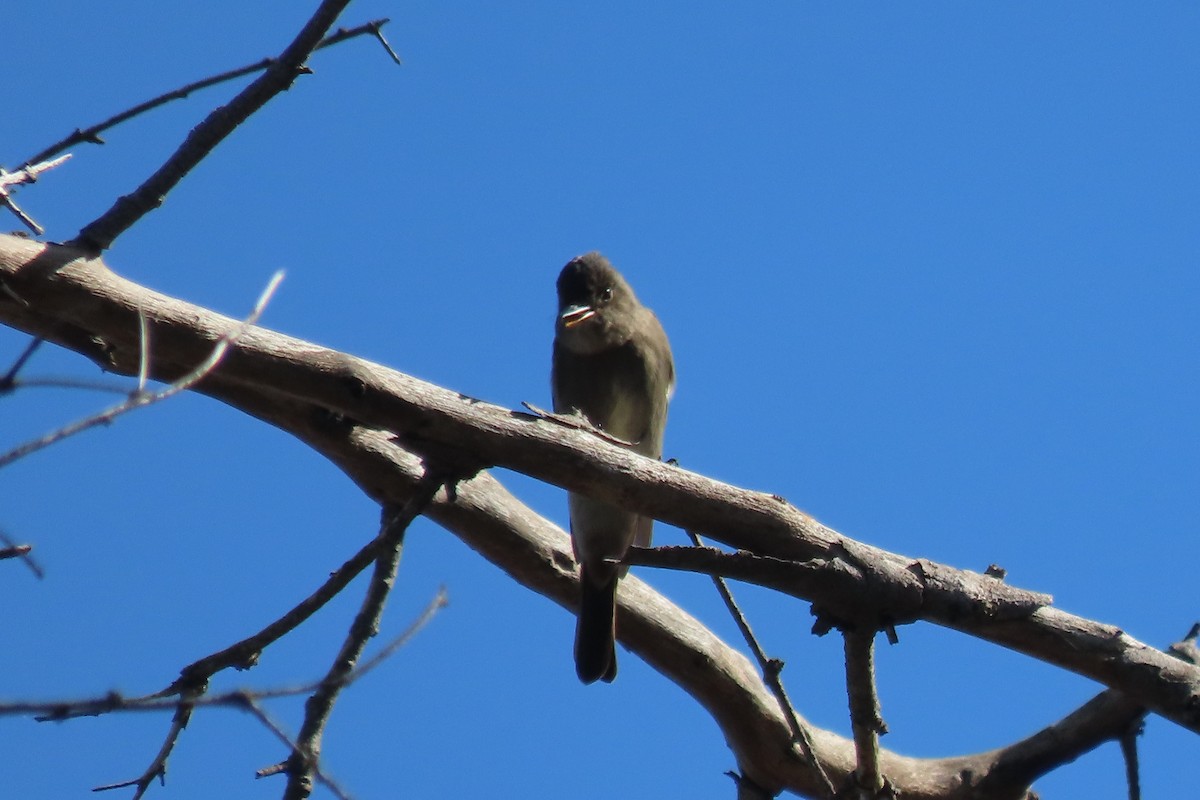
83,305
846,592
79,303
537,554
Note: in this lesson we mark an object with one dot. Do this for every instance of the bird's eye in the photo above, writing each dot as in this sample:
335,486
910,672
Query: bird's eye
606,295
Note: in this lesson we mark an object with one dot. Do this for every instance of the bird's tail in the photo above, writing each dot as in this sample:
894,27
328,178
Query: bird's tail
595,630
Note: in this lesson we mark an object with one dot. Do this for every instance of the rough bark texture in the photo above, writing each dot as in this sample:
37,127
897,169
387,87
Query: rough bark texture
376,424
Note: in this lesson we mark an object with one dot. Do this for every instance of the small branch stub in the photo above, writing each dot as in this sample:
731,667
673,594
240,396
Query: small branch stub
28,174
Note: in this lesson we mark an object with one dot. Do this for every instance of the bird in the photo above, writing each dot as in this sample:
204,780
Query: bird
612,364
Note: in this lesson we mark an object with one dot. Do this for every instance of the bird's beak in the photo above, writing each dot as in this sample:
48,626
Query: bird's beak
573,315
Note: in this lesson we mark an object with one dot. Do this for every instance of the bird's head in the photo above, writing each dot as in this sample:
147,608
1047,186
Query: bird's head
596,307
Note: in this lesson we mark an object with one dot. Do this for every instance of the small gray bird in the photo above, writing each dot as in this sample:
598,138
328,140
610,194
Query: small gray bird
612,363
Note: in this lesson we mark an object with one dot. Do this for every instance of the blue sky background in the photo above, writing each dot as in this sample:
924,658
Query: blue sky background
928,269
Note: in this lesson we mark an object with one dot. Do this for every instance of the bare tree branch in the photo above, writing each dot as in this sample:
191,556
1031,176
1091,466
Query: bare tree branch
865,718
139,398
536,553
307,754
14,551
11,381
158,765
274,727
1128,742
91,134
27,174
356,413
10,378
245,653
114,702
185,705
22,551
770,668
99,234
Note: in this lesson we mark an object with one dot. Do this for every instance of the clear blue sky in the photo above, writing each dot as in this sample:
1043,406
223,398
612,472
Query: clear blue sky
929,271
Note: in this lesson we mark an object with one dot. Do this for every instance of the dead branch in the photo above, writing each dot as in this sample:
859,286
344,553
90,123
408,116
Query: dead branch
287,383
10,549
65,285
91,134
139,397
27,174
9,381
537,554
771,669
865,719
98,235
114,702
184,706
303,761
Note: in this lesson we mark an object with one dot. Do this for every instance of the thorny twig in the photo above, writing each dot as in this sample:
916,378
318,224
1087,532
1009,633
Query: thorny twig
99,234
92,133
771,669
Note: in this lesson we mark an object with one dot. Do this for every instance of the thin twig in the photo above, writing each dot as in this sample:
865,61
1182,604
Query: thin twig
140,399
18,212
158,766
99,234
771,669
865,718
245,699
113,702
440,601
376,29
307,755
91,135
22,551
30,172
1129,750
8,292
143,351
274,727
27,174
8,382
577,421
52,382
748,789
244,654
14,551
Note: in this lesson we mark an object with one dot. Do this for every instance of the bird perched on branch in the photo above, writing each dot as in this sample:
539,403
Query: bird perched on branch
612,364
